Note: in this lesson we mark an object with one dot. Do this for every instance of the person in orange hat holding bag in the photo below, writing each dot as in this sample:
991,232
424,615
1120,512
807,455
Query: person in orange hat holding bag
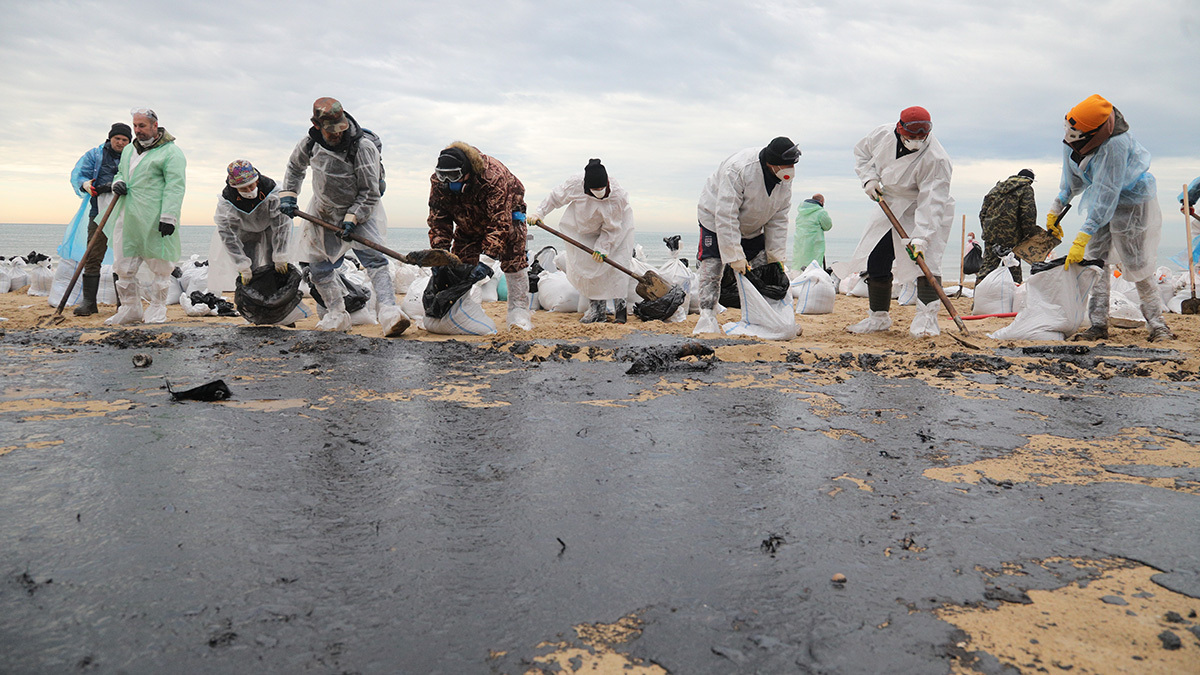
1124,222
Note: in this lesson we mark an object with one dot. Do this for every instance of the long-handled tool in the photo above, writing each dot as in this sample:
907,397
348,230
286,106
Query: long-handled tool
430,257
57,317
650,285
1038,245
925,270
1191,305
962,259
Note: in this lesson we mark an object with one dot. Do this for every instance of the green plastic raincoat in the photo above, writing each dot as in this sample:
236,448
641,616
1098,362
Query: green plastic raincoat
812,222
156,188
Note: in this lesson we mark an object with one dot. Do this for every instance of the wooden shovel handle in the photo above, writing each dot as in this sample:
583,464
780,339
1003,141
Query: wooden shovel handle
925,269
365,242
589,249
87,251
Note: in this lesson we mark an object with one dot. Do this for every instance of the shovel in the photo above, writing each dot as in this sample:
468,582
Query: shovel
57,317
1191,305
430,257
925,270
1035,248
650,285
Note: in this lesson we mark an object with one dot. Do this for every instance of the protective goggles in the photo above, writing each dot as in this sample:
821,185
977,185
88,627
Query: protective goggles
790,155
450,175
917,127
144,112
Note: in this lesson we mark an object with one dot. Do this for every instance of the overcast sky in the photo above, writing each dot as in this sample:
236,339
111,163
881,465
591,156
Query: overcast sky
661,91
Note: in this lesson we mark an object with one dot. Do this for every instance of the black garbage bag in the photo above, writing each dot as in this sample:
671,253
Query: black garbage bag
1058,262
356,296
973,260
223,306
662,308
445,287
672,242
216,390
270,296
770,280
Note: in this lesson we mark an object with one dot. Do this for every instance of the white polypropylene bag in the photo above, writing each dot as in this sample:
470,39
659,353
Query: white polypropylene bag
107,293
198,309
466,317
1055,304
489,288
62,276
41,278
413,305
18,276
193,278
403,275
639,267
905,294
813,291
556,294
676,273
859,289
768,319
996,293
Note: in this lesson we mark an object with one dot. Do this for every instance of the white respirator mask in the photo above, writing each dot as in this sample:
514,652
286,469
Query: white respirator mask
913,143
1071,134
599,193
785,173
250,193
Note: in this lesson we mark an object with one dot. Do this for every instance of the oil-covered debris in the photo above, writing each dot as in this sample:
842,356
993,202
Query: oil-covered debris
669,358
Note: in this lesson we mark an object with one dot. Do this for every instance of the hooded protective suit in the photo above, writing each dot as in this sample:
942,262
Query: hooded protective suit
917,188
735,205
606,225
257,237
812,222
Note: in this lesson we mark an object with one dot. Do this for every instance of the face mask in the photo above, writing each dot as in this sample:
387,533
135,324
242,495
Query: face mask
455,186
913,143
784,173
249,193
599,194
1070,134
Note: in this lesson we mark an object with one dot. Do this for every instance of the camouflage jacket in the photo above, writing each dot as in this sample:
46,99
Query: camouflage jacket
1008,217
483,211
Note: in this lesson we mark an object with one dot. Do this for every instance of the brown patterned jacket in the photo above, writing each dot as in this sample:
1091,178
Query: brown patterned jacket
480,218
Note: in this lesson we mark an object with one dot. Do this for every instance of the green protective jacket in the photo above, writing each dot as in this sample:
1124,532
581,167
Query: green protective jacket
812,222
155,194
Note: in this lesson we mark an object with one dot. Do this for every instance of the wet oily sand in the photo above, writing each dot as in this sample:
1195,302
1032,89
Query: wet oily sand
1054,460
1114,620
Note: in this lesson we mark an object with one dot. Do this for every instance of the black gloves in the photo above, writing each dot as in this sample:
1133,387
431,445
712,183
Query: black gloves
165,229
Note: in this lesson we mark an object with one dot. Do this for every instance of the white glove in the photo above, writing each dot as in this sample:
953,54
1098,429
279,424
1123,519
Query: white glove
245,276
873,189
916,248
738,266
534,219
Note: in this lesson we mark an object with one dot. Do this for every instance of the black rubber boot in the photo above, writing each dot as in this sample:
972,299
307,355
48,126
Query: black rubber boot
115,277
926,293
879,294
87,306
619,307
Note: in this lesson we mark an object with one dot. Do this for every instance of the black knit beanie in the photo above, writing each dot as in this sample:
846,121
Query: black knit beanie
595,176
120,129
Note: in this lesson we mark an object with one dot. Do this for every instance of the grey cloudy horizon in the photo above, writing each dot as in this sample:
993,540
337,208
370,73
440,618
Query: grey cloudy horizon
662,92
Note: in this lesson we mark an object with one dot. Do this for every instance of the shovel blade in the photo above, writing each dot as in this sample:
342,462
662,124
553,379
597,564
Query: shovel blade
432,257
1190,306
1036,247
652,286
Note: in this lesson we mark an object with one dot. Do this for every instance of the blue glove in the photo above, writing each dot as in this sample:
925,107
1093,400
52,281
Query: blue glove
347,229
288,206
481,271
119,187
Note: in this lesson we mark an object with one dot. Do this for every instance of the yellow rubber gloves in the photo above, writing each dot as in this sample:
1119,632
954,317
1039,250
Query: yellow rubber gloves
1076,253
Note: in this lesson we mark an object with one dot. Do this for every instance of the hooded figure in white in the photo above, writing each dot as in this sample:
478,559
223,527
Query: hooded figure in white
905,165
743,213
597,215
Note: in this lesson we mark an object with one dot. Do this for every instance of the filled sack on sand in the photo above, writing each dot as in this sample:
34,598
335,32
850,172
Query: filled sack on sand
997,292
762,317
41,278
412,305
555,292
813,291
1055,301
769,280
453,306
62,276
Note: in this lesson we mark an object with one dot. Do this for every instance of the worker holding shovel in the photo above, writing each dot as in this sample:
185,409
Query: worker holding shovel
743,213
347,184
598,214
905,166
1124,221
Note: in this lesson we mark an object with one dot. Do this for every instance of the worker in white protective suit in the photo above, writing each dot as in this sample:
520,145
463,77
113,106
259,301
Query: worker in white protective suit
743,214
151,178
255,233
905,165
1124,221
597,215
347,184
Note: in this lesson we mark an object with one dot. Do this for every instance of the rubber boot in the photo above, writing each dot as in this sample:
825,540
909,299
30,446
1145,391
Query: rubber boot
130,309
879,298
115,278
336,317
518,314
619,308
157,311
597,311
87,306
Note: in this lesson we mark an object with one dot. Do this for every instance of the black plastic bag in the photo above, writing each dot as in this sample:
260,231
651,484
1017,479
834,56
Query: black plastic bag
1058,262
973,260
223,306
662,308
270,296
356,296
216,390
770,280
445,288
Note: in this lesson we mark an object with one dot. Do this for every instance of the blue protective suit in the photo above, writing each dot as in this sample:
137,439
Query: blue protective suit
74,242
